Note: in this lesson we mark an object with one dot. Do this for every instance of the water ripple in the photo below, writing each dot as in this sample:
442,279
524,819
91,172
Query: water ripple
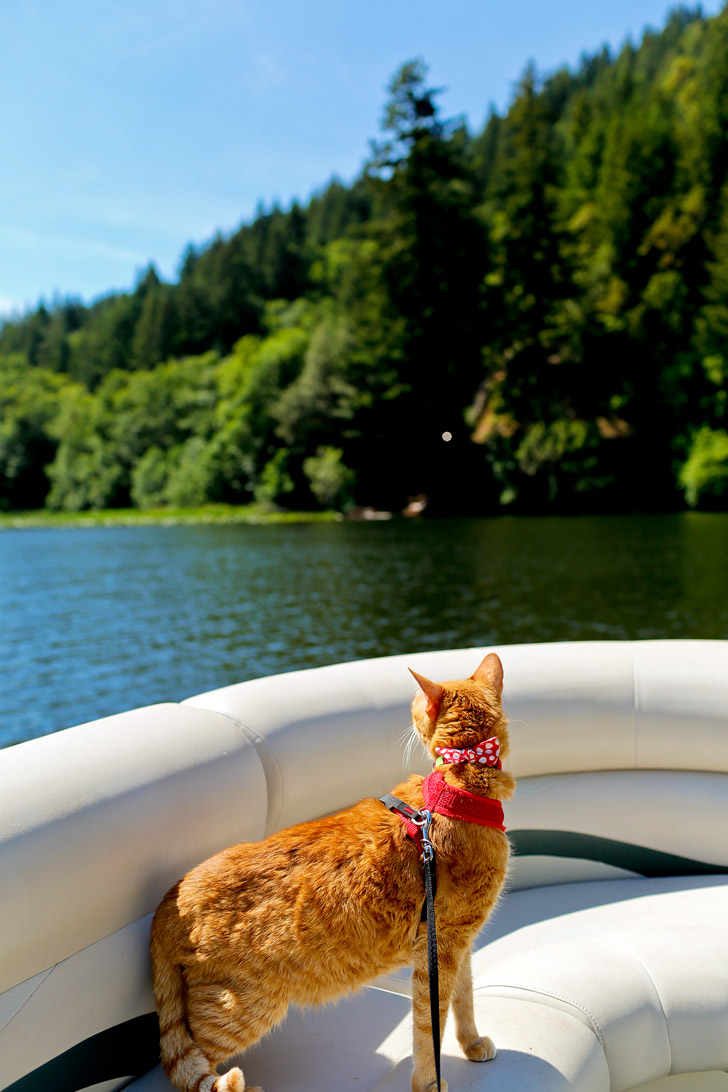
95,621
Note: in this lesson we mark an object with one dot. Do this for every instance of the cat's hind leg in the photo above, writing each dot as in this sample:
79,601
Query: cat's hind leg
478,1048
226,1019
232,1081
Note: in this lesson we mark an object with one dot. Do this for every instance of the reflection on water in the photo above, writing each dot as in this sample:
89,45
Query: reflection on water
95,621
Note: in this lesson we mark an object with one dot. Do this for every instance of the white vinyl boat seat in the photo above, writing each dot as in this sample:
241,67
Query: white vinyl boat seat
598,986
605,966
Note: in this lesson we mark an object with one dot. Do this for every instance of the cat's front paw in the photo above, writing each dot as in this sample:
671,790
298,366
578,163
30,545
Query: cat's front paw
480,1050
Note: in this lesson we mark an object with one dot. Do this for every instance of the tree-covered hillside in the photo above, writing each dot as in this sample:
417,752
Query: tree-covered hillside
531,316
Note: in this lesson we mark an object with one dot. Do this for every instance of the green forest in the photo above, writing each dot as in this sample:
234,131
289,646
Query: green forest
529,318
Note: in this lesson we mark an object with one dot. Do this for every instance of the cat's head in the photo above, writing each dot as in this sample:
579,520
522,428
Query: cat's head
461,713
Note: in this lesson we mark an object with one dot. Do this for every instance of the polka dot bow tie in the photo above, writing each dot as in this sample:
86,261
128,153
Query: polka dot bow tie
486,753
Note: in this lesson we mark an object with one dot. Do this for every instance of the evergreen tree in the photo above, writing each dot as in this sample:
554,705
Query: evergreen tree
433,256
154,329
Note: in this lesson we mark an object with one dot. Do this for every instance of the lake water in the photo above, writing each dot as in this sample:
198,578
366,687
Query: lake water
96,621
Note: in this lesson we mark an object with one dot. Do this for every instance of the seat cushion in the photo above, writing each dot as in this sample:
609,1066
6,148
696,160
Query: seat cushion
588,987
646,969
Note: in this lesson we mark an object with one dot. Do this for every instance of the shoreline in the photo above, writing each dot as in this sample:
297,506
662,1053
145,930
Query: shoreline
254,514
149,517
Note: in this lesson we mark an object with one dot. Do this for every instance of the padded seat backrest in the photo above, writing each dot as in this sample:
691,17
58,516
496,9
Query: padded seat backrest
332,735
98,821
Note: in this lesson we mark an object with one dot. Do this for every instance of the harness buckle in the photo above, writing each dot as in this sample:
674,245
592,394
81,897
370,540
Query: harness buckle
423,819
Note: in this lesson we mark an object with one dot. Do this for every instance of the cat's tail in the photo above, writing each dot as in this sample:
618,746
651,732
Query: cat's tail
183,1061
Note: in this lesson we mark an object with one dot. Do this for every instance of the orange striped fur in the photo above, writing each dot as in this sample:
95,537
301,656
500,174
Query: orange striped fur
320,909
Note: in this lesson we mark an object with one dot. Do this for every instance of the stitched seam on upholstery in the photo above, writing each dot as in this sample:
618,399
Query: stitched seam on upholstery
27,999
557,996
643,965
260,745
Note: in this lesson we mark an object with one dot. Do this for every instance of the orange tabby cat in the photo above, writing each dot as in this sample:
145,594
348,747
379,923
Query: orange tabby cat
320,909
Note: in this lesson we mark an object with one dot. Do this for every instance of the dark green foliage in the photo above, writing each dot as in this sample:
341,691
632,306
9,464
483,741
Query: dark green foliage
533,316
31,400
331,213
431,254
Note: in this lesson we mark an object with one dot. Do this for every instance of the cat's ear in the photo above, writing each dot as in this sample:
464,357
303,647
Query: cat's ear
432,691
490,672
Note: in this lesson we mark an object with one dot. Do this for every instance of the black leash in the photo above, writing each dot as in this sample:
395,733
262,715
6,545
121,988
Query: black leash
423,820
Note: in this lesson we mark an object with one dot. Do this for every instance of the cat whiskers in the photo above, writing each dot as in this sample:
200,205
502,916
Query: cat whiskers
404,741
409,740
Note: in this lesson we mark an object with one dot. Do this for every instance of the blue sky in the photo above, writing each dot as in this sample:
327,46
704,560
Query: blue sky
132,127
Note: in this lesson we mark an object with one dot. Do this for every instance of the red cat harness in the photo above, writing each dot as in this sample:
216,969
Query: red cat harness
453,803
